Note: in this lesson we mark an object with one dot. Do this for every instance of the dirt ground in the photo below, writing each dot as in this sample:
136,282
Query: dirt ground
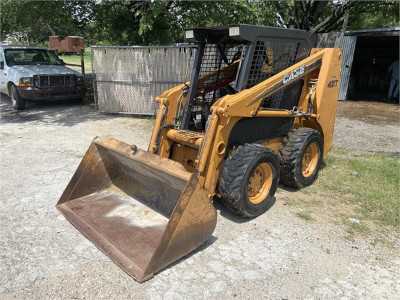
276,256
368,126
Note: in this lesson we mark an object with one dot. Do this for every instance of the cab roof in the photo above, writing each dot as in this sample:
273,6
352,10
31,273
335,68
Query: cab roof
246,33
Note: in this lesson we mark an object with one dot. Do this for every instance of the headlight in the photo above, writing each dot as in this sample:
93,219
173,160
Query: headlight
25,82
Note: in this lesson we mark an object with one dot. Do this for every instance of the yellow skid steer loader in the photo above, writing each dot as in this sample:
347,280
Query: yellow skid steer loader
259,109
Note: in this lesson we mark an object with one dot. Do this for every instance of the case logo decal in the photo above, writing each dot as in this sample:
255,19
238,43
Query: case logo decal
294,74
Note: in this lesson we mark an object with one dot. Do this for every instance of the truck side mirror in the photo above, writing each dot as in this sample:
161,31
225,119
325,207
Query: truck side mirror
1,65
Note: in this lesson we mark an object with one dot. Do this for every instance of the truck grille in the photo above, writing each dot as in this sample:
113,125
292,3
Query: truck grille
47,81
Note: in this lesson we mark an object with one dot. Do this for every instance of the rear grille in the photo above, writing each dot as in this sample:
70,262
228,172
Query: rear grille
47,81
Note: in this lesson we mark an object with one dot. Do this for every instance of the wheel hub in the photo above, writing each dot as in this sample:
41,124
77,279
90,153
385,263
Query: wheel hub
310,160
259,183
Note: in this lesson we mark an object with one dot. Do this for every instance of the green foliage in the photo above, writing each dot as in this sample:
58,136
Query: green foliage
127,22
375,14
325,16
114,22
33,21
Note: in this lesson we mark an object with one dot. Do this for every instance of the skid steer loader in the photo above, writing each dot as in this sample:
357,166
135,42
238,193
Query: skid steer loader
259,109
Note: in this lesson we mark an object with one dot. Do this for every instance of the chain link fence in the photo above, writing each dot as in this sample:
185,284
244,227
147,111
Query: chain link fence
127,79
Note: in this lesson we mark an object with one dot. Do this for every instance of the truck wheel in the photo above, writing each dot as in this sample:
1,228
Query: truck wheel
18,103
249,179
301,157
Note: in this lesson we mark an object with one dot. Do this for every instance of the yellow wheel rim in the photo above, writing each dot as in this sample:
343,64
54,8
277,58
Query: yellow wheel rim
259,183
310,160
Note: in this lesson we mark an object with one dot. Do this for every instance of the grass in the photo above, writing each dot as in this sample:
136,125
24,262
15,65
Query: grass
305,215
76,59
360,188
353,228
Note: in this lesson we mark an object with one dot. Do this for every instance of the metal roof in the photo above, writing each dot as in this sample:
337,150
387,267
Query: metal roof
375,31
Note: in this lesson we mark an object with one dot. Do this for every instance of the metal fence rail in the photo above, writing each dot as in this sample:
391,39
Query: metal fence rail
129,78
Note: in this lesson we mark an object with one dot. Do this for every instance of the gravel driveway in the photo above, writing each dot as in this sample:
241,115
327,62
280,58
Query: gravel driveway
368,126
277,255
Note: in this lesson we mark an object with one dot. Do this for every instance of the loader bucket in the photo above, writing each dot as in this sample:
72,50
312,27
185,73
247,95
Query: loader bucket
143,211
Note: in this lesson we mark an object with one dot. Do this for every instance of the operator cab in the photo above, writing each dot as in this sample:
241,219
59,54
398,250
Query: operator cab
231,59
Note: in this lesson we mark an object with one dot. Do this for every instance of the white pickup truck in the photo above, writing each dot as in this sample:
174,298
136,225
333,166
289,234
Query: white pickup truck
36,74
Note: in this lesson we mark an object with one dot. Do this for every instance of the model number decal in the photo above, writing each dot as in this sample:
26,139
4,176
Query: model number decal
332,83
294,74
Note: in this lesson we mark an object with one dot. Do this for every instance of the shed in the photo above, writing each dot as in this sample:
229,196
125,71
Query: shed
68,44
367,56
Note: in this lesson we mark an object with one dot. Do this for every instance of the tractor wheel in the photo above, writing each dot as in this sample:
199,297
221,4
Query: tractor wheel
17,102
249,179
301,157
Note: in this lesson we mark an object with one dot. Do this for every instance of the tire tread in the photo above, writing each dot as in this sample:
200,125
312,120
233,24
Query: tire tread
291,155
234,173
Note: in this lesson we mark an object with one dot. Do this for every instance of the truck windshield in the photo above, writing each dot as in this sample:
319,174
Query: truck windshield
31,57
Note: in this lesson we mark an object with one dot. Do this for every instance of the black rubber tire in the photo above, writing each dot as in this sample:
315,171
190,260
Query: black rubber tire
292,155
236,170
17,101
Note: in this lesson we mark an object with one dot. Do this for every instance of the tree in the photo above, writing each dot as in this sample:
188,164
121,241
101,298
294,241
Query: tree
325,16
39,19
316,16
170,19
374,14
127,22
